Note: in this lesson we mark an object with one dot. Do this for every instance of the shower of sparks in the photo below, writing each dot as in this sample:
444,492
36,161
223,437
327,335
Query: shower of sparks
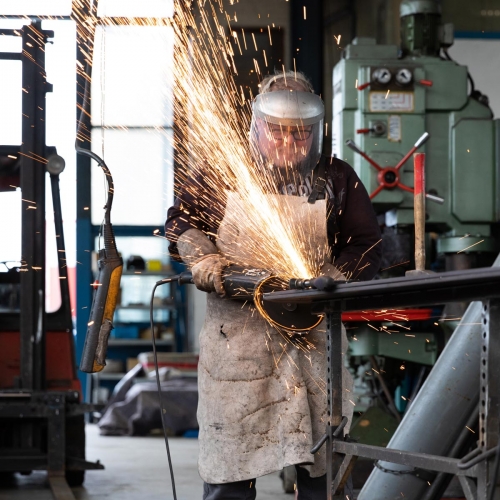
214,161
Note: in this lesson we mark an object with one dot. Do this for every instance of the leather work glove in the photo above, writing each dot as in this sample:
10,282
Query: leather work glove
330,270
194,244
207,273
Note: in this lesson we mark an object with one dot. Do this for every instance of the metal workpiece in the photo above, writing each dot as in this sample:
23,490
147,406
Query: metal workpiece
426,289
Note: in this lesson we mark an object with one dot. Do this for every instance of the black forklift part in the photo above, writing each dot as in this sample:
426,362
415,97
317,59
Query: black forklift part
39,429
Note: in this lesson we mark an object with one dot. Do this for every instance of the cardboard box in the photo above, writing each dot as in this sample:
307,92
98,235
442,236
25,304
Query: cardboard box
185,362
131,362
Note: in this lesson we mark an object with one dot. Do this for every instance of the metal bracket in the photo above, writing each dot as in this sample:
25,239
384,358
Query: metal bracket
469,487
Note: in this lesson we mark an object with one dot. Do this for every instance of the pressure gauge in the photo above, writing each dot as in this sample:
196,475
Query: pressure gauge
382,75
404,76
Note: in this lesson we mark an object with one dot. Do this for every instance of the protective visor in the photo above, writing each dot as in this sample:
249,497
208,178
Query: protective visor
287,130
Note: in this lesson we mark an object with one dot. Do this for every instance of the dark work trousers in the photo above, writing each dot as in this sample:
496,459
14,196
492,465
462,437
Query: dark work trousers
309,488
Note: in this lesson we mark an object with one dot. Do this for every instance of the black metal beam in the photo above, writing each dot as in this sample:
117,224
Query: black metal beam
439,288
307,37
11,56
84,243
32,321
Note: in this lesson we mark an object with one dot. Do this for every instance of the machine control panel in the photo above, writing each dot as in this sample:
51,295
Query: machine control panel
384,78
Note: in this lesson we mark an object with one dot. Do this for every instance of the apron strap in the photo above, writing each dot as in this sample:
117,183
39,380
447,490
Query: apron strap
318,182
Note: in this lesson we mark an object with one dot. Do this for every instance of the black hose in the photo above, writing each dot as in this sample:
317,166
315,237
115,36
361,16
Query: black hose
158,385
109,179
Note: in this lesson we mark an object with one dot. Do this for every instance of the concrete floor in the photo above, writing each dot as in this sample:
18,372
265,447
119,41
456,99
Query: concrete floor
136,468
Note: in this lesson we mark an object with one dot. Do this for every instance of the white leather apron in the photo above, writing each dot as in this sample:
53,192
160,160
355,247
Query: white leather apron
262,400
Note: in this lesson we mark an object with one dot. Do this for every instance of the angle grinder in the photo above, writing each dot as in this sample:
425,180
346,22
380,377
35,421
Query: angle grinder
245,284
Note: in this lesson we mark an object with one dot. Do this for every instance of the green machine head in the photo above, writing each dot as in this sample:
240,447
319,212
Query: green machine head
385,98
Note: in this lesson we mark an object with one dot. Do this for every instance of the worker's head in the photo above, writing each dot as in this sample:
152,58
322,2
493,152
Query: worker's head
287,124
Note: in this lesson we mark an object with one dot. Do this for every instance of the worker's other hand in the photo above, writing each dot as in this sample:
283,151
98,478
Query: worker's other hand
330,270
207,273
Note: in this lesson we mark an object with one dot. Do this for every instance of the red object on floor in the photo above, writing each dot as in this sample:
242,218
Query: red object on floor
388,315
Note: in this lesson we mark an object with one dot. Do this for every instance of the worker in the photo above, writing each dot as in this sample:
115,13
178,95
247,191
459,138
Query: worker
262,402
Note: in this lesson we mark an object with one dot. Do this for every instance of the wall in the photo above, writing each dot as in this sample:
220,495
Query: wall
482,57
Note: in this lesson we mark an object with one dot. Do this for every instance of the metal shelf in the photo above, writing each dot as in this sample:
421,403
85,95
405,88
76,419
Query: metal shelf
108,376
138,342
164,274
143,307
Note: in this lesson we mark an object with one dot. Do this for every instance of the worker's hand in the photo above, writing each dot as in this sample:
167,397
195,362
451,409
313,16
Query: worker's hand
194,244
331,271
207,273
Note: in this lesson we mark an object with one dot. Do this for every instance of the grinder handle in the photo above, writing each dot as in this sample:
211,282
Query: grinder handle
185,278
323,283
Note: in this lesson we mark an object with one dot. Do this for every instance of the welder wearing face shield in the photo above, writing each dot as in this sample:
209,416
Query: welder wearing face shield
261,400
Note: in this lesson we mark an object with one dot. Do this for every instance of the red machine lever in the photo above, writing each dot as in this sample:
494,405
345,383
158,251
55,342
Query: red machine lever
426,83
388,178
363,130
363,86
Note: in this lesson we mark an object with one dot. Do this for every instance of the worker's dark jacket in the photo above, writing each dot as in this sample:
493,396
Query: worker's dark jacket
353,232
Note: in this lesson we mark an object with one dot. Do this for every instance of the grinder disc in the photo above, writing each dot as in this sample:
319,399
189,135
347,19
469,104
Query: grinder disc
288,316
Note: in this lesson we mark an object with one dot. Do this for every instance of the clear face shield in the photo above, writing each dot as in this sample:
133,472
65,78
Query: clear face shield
286,133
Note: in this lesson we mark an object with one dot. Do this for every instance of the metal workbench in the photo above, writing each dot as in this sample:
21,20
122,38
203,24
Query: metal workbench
473,471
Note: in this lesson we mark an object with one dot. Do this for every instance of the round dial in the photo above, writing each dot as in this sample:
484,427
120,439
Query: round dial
404,76
382,75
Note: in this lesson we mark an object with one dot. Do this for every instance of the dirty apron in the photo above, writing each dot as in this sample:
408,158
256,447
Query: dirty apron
262,400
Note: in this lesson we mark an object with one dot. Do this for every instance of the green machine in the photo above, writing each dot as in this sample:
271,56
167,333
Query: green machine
385,98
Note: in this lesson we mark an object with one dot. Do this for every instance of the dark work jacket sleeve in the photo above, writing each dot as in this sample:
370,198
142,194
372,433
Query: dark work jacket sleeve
359,246
193,208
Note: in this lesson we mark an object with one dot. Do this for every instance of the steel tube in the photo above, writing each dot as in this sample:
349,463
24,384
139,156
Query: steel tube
440,410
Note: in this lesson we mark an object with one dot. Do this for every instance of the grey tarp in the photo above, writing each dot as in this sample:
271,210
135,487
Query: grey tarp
137,412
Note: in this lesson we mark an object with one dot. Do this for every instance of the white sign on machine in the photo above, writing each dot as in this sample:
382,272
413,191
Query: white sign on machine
381,102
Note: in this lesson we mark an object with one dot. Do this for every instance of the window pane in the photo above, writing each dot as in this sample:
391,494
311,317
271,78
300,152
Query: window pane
133,8
36,7
10,102
61,118
132,77
140,162
10,43
149,248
